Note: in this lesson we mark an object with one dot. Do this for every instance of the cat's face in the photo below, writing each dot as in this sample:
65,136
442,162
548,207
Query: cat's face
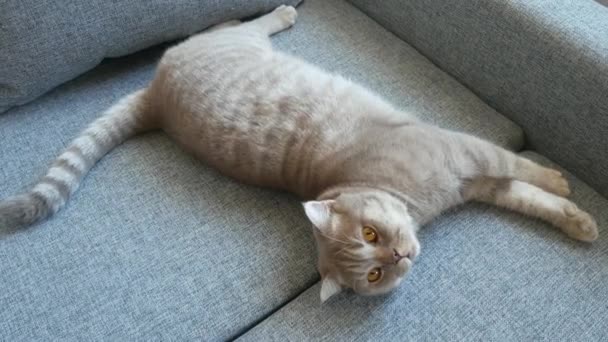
366,241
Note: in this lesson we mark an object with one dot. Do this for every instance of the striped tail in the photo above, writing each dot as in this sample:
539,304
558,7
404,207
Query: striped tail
123,120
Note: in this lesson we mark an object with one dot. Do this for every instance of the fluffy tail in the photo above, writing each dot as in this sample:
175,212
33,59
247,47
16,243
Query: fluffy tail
123,120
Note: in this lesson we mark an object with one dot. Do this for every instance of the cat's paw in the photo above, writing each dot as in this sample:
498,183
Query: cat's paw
287,14
578,224
554,182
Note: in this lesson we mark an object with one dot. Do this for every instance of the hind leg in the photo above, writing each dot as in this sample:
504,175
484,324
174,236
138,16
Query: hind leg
231,23
282,18
252,33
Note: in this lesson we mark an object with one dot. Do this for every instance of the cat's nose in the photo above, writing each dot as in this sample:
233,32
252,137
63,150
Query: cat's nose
397,257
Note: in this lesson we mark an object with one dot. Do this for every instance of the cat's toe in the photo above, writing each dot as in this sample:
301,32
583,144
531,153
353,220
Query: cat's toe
556,183
579,225
287,13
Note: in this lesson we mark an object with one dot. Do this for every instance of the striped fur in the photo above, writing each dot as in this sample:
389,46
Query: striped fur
51,193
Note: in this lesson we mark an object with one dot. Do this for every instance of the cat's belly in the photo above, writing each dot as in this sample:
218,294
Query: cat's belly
265,119
261,127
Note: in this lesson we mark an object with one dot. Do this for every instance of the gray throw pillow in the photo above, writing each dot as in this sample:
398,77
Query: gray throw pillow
45,43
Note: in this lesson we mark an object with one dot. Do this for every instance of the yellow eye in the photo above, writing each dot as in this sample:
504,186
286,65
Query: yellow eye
374,275
369,234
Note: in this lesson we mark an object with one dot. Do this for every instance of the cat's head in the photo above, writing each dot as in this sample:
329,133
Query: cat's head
366,241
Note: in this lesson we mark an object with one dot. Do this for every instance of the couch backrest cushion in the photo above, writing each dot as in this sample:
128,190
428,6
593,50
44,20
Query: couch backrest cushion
45,43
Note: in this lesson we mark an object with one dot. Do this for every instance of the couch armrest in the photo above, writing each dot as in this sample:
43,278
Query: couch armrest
543,63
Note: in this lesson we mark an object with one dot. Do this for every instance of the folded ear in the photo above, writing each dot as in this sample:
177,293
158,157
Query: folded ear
329,287
319,213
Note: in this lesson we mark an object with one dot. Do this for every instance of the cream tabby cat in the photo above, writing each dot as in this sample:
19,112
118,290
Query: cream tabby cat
371,174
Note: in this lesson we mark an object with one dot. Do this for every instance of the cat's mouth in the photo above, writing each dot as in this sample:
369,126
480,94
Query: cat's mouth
406,252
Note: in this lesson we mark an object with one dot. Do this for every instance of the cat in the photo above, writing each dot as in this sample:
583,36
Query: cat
370,174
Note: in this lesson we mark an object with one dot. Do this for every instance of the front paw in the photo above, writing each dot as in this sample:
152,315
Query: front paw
578,224
554,182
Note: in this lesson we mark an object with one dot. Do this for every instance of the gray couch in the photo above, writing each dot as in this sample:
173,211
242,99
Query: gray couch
157,246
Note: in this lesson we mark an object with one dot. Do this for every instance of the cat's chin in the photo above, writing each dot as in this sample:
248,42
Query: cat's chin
371,292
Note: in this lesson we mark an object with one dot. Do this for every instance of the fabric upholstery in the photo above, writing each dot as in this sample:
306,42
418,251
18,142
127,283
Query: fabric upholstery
542,63
45,43
484,274
157,246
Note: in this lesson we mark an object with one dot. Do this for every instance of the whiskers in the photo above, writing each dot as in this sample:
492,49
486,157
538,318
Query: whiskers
334,239
341,250
351,253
